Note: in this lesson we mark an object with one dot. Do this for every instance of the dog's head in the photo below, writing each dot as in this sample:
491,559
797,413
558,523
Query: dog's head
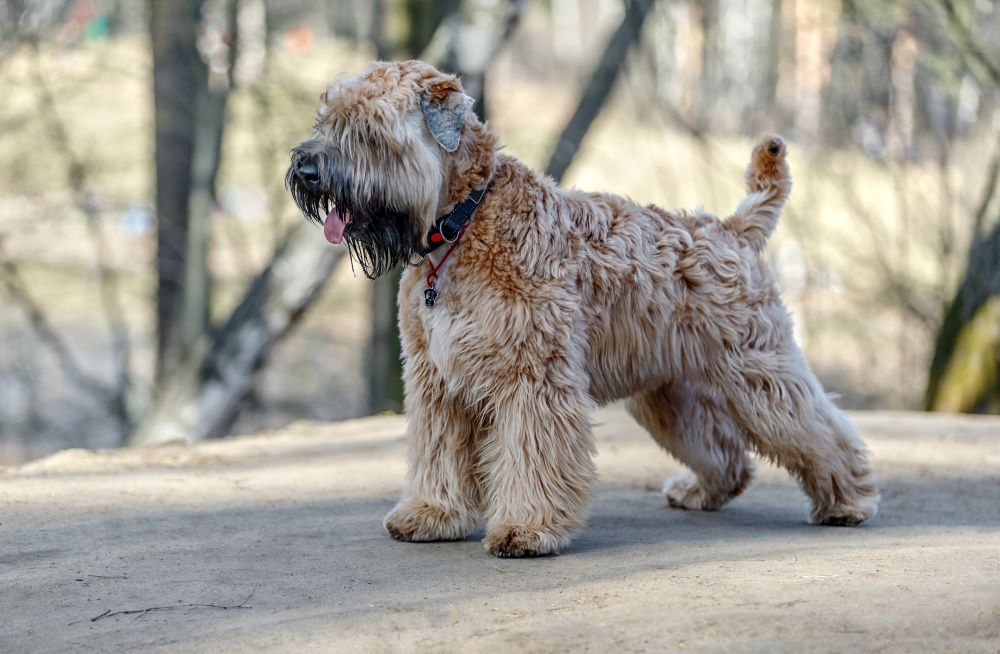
377,169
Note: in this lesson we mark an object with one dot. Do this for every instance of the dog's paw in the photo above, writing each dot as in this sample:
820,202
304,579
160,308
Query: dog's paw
419,521
513,542
853,499
684,491
846,515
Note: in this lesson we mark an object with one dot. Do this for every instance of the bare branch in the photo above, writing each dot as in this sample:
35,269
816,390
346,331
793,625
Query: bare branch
893,282
599,88
468,41
989,189
970,48
47,333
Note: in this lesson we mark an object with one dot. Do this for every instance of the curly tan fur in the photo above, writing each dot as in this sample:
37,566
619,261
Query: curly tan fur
559,300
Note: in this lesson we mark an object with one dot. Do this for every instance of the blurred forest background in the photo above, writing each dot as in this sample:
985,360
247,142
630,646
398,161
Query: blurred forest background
157,281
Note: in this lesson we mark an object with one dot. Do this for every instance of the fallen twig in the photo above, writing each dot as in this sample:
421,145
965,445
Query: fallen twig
141,612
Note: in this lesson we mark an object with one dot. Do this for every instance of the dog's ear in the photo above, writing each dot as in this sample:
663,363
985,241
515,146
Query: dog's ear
445,112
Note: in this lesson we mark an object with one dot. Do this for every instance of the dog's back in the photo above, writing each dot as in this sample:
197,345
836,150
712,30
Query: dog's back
660,292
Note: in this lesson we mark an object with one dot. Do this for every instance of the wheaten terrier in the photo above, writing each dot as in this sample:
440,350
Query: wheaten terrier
522,306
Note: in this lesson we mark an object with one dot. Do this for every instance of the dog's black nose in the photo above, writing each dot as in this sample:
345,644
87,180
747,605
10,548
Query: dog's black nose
307,171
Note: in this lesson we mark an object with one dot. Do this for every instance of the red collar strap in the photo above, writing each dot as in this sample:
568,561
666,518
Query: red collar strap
430,293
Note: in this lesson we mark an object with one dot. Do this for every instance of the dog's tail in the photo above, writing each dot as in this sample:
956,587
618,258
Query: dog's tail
768,186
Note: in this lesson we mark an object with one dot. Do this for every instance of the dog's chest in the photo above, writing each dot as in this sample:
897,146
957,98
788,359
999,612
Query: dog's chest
443,344
441,328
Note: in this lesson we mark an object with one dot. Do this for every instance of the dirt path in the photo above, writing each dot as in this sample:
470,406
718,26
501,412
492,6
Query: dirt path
295,517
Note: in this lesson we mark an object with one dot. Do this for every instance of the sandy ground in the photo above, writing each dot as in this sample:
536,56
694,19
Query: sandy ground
288,527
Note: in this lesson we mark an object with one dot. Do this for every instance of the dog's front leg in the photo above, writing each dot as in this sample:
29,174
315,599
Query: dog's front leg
536,461
441,499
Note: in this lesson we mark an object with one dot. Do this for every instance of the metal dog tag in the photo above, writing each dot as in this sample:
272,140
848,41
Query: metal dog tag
430,295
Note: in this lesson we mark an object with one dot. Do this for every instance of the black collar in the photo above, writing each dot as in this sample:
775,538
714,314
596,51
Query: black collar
448,227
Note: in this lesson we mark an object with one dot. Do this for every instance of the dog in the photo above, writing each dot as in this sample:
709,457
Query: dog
522,306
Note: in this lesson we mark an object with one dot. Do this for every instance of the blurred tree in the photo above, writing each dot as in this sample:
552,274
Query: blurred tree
189,95
178,76
204,394
711,78
217,46
857,95
965,369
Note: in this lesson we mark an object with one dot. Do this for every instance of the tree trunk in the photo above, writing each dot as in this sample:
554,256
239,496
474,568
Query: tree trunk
206,155
423,18
178,77
965,370
202,397
384,362
596,94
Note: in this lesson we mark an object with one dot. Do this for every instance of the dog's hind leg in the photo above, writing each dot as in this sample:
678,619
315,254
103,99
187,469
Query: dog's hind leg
790,420
693,424
442,496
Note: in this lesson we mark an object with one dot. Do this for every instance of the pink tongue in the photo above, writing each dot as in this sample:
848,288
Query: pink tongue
333,226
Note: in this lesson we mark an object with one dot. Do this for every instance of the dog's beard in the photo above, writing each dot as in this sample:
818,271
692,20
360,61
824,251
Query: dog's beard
380,242
314,206
378,237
